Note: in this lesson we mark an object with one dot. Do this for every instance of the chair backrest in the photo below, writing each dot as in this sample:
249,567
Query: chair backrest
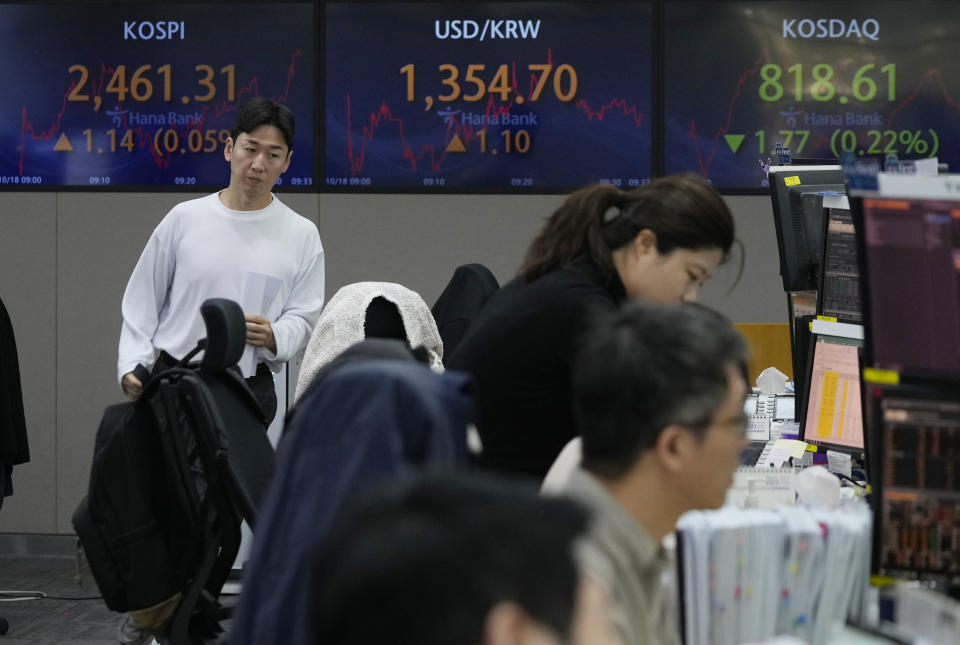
226,334
369,307
471,286
241,433
383,320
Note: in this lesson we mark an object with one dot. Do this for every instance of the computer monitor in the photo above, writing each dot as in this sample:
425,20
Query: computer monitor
915,438
787,185
801,359
839,293
832,416
806,217
909,252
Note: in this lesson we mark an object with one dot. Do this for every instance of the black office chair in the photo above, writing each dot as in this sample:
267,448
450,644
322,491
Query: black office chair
173,477
224,433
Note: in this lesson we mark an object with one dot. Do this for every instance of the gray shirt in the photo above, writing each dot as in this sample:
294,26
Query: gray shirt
620,555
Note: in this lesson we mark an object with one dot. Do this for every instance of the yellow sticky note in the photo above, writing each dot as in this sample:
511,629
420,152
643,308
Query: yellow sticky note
794,447
791,181
881,377
827,318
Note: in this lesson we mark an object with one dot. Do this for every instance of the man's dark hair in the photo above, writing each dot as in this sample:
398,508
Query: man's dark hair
262,111
423,563
645,367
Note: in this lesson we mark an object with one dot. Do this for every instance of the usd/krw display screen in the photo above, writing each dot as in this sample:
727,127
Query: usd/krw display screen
123,95
872,78
487,97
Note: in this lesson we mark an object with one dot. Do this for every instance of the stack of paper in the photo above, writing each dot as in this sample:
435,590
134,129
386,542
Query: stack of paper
750,575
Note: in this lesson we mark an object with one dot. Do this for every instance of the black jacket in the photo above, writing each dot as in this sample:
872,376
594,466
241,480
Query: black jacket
367,423
520,350
13,429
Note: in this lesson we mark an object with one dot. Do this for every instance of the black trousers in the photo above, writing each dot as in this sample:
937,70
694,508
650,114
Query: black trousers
6,481
261,384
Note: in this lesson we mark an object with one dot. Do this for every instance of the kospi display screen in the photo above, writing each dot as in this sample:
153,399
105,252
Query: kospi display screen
872,78
487,97
144,95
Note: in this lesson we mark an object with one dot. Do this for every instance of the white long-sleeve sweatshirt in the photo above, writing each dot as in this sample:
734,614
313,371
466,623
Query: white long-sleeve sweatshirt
270,261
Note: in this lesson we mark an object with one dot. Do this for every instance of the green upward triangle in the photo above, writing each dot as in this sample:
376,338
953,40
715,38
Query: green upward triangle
734,141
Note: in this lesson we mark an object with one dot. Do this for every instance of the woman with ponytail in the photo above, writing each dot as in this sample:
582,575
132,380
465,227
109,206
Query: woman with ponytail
658,242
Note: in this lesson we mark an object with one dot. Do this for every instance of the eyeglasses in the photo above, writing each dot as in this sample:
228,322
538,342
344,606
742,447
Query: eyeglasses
736,425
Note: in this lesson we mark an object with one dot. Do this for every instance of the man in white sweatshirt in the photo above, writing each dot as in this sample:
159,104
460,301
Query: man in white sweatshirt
241,243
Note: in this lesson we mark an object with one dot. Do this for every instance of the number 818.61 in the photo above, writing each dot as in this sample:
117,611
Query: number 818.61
862,87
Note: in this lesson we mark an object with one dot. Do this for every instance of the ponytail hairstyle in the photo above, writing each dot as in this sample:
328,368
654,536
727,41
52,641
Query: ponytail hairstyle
683,211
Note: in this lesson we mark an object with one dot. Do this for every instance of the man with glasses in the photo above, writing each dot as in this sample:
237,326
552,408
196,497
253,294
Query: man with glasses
658,394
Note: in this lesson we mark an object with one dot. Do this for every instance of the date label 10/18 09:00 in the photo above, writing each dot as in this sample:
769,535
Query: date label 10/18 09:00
429,182
515,182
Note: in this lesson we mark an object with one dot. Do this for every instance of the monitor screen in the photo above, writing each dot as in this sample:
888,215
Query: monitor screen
806,216
798,232
839,293
832,415
144,95
820,77
487,97
911,270
917,484
784,407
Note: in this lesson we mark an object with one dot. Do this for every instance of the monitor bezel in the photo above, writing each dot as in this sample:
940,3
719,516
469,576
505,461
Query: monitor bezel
780,199
857,453
873,395
907,373
318,110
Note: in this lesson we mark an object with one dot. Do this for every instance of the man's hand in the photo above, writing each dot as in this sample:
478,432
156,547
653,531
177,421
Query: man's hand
260,333
131,385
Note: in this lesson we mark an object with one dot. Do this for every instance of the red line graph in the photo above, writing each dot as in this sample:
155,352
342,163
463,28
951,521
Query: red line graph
932,76
435,155
598,115
704,164
143,138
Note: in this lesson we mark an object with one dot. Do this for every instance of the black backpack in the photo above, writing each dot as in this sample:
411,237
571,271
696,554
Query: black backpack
139,521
